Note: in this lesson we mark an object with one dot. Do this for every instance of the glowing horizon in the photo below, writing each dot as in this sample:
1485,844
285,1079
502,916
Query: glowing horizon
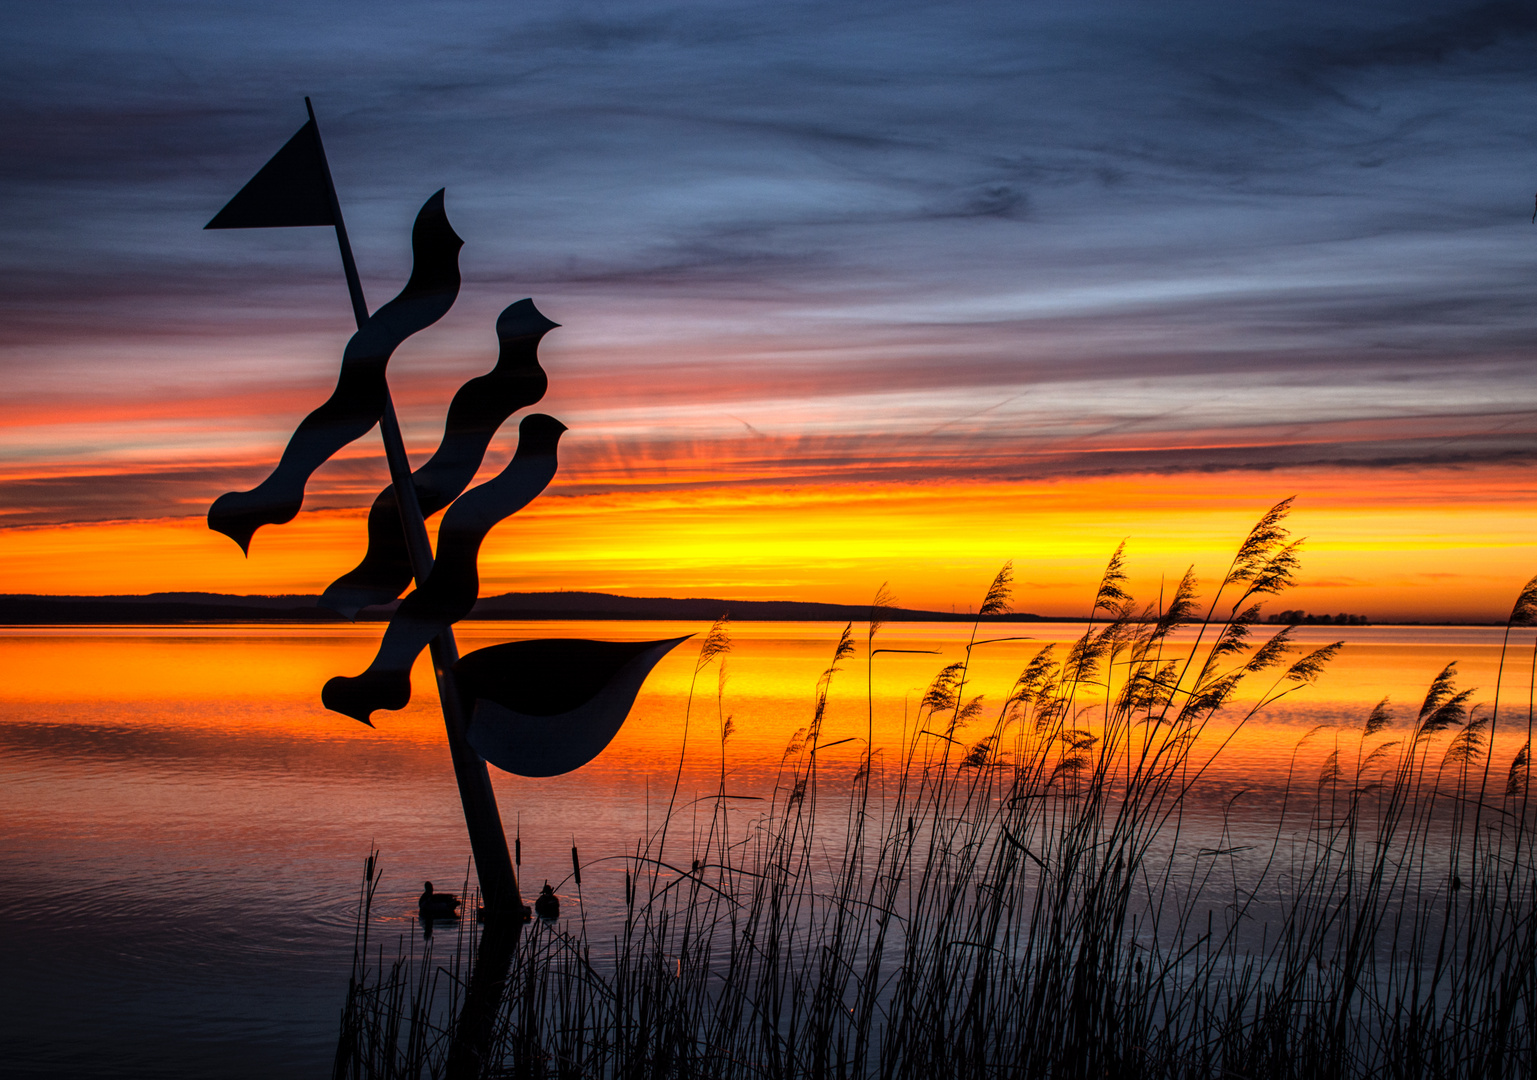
1460,555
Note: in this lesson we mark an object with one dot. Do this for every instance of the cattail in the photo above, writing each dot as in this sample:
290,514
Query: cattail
997,600
883,602
1076,793
576,867
517,850
1525,611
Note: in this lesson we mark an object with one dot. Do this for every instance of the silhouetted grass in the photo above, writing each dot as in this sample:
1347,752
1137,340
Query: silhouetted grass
1032,902
400,1014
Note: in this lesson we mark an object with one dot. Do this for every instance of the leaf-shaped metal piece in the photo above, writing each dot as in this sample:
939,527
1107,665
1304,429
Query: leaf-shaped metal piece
546,707
361,391
477,411
451,589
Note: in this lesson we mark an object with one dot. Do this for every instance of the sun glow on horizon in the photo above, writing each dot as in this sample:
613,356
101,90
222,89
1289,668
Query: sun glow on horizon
1449,544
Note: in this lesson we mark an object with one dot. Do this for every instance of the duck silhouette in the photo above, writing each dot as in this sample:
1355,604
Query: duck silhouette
436,905
547,905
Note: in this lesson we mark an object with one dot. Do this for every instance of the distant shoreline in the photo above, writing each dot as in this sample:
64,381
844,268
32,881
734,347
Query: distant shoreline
172,608
25,609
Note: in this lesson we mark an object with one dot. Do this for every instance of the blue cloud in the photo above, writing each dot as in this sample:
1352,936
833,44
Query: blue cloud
823,199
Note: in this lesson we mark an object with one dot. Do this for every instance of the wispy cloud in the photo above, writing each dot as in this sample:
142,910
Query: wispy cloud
1184,237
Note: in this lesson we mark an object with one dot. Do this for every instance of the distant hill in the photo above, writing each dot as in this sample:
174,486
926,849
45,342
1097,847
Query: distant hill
24,609
589,605
20,609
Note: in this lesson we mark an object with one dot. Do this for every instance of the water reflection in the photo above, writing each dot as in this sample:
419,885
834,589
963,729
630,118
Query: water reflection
182,826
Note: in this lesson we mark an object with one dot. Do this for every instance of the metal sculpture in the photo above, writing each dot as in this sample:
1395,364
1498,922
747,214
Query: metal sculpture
361,393
536,708
546,707
476,412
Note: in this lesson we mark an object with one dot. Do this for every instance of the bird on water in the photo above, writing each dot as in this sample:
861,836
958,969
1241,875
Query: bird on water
547,905
436,905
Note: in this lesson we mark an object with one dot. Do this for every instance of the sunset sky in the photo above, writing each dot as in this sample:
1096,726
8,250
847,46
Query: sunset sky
850,292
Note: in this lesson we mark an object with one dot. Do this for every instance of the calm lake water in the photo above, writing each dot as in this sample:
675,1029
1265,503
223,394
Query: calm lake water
182,826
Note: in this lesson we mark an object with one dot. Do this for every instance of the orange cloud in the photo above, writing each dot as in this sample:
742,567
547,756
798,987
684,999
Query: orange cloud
1392,544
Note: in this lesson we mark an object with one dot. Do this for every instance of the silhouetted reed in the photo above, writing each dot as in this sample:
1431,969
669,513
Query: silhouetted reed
1040,889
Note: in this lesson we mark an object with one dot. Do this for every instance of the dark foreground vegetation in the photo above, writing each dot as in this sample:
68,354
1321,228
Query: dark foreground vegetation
1039,889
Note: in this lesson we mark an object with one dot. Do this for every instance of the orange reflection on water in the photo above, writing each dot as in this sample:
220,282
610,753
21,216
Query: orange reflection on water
266,680
163,751
202,664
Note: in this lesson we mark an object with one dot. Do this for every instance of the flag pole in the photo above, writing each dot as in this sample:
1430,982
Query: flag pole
488,840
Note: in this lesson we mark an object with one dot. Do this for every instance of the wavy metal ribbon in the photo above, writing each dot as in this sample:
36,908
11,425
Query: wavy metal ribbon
361,391
477,411
546,707
451,589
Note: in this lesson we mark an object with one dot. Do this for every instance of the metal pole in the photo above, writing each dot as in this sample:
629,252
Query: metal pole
488,840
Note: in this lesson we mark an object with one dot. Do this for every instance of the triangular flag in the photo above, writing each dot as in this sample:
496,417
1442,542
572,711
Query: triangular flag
290,190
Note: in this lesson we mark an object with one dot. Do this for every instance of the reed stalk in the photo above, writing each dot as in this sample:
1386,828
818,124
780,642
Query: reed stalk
1045,890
